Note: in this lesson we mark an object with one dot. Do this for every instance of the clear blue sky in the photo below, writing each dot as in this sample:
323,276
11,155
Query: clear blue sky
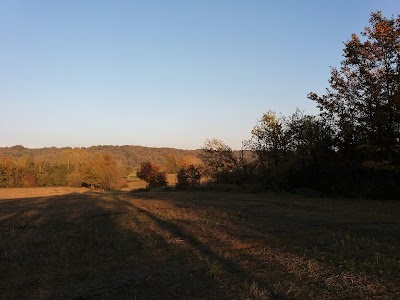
164,73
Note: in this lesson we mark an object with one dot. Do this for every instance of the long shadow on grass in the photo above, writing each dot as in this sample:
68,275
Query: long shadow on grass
53,247
74,247
308,245
113,246
213,260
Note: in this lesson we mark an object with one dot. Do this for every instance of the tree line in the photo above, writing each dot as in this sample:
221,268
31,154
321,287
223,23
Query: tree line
98,171
105,167
351,148
130,156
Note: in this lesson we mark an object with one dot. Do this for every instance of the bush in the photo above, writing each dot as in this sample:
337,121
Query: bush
188,176
158,180
152,175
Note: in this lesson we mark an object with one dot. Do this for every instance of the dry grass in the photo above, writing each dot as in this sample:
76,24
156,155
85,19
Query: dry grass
138,184
185,245
20,193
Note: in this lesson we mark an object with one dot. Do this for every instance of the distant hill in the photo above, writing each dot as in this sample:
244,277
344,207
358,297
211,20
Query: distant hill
131,156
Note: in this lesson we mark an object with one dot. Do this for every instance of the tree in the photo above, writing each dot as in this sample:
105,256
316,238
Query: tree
363,101
102,171
310,138
188,176
91,175
111,172
159,180
152,175
364,95
75,158
8,172
270,140
312,152
218,160
171,164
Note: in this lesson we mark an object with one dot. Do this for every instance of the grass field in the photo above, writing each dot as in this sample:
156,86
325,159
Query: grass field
141,184
64,243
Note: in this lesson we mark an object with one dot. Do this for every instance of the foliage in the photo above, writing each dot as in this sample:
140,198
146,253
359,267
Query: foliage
188,176
173,164
159,180
129,156
99,166
219,160
101,171
363,105
352,147
270,142
363,100
152,175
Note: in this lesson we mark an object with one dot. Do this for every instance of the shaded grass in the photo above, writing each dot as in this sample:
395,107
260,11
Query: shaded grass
203,245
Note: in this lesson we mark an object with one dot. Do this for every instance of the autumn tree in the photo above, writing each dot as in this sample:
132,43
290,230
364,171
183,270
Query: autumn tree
111,172
8,172
219,160
171,164
75,158
363,101
152,175
188,176
270,140
364,94
102,171
189,160
90,174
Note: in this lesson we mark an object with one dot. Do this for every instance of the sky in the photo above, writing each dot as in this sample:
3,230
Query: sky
164,73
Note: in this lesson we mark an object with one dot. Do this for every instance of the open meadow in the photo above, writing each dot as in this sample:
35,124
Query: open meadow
66,243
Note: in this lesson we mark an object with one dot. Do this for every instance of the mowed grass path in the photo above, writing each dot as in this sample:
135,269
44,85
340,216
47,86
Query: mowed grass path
197,245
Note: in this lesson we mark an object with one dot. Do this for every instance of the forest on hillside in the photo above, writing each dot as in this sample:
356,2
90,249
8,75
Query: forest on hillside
104,166
130,156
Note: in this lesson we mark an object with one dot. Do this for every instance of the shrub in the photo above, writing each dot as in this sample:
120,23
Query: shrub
152,175
158,180
190,175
